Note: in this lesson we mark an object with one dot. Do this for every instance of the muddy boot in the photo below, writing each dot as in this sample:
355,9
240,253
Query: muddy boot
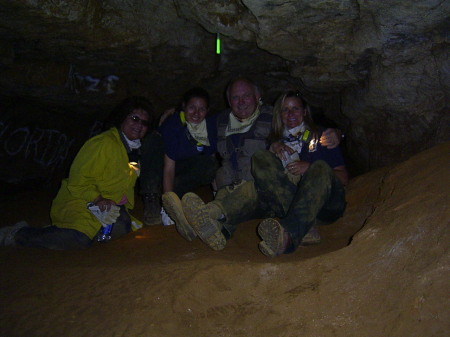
203,220
275,240
173,207
152,209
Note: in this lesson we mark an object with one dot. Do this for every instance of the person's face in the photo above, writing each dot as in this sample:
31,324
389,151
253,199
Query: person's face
195,110
243,99
292,112
135,124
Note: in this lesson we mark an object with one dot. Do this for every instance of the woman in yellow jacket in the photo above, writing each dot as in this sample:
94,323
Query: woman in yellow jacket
102,176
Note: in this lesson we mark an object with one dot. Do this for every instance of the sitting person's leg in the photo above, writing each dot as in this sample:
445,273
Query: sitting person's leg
334,207
173,207
318,191
150,180
237,206
190,174
269,195
122,225
52,237
247,201
274,189
215,221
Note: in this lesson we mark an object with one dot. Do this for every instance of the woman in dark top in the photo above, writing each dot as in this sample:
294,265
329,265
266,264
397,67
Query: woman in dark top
187,142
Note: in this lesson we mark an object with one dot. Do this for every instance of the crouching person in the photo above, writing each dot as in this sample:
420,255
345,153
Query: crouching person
99,190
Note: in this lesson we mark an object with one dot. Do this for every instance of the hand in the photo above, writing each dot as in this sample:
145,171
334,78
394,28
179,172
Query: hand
111,216
280,149
331,138
104,216
297,167
103,204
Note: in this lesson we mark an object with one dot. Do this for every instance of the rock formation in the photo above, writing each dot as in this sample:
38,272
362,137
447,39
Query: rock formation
378,70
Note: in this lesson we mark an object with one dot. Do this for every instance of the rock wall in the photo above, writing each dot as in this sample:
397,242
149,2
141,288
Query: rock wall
378,70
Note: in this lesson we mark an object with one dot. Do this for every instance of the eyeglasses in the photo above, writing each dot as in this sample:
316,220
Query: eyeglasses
143,122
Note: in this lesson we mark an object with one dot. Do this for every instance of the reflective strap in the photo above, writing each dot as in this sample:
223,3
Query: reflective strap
182,118
305,135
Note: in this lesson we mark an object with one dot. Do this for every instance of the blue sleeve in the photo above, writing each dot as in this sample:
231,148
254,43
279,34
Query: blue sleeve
174,136
332,157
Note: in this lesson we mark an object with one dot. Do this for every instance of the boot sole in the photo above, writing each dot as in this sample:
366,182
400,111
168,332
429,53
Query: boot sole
272,234
206,228
174,209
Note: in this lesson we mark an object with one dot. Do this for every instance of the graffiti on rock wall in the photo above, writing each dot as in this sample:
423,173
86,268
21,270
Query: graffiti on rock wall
85,83
49,149
46,147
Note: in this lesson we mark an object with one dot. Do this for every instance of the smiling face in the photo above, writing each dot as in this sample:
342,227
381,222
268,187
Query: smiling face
195,110
243,98
135,124
292,112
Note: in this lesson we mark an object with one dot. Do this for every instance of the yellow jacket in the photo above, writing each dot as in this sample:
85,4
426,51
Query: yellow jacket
100,167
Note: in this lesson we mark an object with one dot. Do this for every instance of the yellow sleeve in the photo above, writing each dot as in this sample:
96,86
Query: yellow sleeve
88,168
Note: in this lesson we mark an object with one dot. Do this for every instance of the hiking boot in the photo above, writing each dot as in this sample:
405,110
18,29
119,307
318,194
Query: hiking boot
152,209
199,217
173,207
275,238
8,233
312,237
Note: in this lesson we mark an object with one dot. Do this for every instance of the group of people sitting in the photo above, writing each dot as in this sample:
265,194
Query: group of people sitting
263,162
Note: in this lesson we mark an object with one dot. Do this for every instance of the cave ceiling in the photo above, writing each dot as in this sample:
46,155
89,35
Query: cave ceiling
378,70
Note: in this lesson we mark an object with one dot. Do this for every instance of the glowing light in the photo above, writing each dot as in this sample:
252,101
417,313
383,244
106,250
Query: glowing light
218,44
135,167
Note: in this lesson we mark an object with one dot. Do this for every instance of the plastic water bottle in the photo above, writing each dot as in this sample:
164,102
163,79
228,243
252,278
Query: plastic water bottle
105,233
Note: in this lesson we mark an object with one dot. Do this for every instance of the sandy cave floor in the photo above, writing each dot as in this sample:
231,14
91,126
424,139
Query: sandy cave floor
391,280
34,281
163,242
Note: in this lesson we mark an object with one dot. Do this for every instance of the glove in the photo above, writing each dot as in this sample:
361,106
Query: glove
105,217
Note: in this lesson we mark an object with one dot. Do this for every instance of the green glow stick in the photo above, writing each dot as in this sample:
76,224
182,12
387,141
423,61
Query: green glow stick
218,44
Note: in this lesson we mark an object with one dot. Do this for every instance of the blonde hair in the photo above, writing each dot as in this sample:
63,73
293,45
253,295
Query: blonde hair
277,123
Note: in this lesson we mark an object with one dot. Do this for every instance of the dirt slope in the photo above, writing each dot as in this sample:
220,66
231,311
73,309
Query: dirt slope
382,270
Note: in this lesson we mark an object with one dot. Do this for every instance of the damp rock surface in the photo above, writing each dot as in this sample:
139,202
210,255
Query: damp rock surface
377,70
